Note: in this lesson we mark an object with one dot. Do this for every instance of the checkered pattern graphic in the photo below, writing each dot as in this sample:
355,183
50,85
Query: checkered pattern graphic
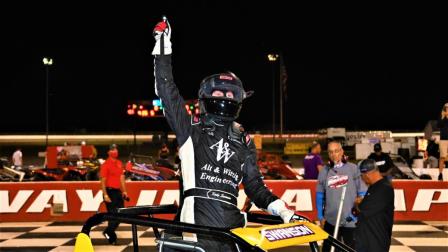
60,236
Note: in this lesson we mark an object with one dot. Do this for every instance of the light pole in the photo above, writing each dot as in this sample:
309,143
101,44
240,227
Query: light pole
273,58
47,62
281,85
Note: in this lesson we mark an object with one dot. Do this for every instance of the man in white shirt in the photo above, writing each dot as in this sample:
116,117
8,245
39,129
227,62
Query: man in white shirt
17,158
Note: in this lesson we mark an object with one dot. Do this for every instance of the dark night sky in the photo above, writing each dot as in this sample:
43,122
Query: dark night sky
378,70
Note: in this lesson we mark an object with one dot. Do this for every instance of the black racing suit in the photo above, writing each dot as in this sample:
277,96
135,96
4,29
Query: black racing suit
215,159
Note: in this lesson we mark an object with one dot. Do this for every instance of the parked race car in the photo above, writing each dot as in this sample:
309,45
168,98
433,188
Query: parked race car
69,163
401,169
83,170
141,167
273,167
10,173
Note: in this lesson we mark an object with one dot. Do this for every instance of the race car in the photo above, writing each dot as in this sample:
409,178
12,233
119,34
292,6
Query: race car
273,234
273,167
141,167
69,163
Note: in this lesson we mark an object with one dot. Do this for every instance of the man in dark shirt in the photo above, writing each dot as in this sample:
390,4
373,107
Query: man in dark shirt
383,160
375,211
432,152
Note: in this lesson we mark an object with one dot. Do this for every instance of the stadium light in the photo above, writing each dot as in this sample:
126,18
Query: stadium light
272,57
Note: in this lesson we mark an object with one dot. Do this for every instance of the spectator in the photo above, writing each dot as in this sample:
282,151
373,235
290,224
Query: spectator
432,153
114,190
312,162
328,197
164,151
375,212
17,158
163,158
443,143
62,157
383,160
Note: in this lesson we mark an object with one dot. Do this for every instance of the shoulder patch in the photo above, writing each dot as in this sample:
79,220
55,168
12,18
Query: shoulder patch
246,138
195,120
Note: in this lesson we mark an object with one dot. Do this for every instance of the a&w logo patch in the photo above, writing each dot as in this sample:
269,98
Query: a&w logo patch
223,150
286,233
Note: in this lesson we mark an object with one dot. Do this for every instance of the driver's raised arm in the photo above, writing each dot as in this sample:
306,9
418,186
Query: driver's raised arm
165,88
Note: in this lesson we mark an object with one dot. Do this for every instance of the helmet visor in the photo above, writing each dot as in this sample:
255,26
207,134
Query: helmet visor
222,107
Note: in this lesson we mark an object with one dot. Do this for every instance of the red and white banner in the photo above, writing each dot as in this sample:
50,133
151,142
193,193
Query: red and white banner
35,201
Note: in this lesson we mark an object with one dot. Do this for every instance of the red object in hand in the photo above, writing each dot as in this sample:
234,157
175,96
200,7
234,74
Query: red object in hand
160,27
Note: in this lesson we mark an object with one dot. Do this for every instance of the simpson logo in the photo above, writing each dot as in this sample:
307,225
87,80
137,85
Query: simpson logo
287,233
337,181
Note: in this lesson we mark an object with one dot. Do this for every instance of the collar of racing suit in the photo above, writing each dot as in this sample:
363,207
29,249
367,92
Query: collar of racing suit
211,122
235,131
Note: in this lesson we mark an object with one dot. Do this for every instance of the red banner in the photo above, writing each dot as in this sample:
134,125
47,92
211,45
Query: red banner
76,201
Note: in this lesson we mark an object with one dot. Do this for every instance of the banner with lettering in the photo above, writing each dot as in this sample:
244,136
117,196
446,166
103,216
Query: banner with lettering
76,201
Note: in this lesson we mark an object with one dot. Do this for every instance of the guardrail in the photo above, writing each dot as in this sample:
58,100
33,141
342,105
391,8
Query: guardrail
76,201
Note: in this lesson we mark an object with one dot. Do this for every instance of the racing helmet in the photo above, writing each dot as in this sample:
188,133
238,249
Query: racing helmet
225,108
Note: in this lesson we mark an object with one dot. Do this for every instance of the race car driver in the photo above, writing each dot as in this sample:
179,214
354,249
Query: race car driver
216,154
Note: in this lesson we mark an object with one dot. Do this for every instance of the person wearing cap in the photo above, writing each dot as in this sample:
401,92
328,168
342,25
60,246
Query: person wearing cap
375,211
383,160
443,143
114,191
312,162
329,195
